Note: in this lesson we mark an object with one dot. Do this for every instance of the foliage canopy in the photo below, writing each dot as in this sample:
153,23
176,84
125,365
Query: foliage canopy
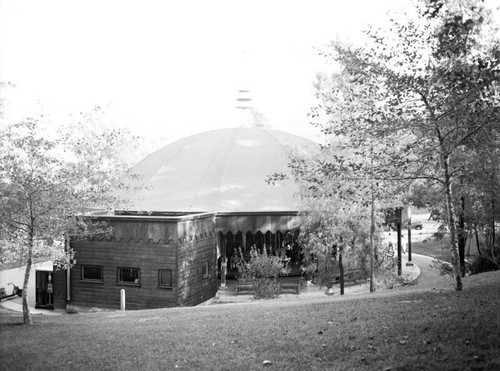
418,106
50,184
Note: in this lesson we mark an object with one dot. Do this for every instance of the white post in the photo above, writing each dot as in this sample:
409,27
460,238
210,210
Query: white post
122,300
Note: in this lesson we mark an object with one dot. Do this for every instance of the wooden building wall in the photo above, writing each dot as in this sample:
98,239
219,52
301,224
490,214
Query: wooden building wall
148,257
179,244
59,281
197,244
193,287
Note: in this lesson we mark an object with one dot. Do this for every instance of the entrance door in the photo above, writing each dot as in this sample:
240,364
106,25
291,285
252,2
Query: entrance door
44,290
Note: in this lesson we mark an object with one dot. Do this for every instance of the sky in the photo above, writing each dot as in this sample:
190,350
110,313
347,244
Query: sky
168,69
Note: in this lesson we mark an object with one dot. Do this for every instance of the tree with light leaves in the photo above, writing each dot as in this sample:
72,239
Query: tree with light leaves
343,197
334,232
426,90
49,186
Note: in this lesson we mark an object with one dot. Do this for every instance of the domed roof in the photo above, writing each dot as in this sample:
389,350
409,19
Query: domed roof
219,171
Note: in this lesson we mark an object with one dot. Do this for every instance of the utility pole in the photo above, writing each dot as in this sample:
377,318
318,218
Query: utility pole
372,225
372,249
399,222
409,262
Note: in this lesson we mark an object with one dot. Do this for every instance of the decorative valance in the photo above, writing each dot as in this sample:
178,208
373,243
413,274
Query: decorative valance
257,221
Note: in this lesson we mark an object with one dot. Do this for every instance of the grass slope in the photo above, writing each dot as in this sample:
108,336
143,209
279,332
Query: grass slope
425,243
403,329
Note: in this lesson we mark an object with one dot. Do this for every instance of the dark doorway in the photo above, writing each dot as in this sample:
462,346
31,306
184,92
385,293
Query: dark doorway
44,290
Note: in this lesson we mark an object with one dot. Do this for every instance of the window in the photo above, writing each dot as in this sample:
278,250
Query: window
165,278
92,273
129,275
204,269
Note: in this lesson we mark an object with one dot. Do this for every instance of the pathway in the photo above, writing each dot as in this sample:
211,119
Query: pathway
426,277
423,276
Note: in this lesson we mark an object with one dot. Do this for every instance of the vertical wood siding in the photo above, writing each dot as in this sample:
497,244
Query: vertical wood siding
148,257
59,280
193,288
180,246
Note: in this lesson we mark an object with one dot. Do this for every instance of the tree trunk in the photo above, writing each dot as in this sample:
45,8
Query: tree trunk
329,280
26,309
469,239
455,261
477,241
329,270
462,238
29,262
341,272
492,224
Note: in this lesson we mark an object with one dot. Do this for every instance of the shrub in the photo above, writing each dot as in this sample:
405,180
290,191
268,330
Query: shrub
386,272
483,263
263,269
266,288
445,268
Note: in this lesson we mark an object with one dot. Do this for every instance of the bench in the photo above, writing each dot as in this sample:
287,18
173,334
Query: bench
3,294
243,285
285,283
289,283
351,276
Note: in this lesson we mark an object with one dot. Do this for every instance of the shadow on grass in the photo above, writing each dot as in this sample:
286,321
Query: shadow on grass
12,324
9,318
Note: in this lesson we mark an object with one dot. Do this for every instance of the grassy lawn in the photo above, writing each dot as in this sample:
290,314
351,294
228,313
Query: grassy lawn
441,248
431,247
423,241
403,329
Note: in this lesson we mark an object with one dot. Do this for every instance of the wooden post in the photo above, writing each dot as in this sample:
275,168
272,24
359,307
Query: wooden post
68,269
222,247
409,244
223,267
341,271
372,247
122,300
409,236
372,227
398,224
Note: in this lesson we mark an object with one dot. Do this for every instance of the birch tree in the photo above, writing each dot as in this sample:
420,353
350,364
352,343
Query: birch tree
48,188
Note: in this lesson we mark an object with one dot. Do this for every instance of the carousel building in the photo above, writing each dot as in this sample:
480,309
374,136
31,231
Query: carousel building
196,202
